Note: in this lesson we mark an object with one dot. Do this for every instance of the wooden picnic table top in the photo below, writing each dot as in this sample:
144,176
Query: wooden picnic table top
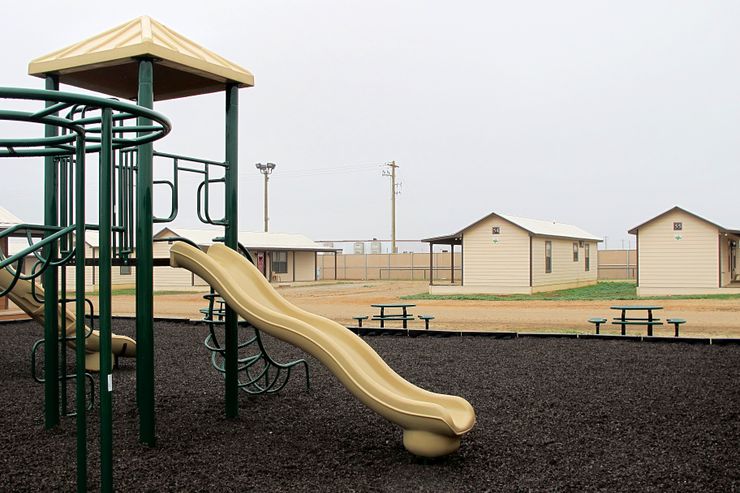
636,307
392,305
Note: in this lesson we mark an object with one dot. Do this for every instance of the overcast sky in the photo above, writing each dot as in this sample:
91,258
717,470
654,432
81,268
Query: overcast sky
600,114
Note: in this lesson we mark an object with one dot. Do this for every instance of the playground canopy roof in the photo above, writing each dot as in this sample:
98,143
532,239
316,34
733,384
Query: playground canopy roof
8,219
108,63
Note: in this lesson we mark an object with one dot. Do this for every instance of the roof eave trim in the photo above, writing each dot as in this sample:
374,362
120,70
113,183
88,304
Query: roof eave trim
120,55
675,208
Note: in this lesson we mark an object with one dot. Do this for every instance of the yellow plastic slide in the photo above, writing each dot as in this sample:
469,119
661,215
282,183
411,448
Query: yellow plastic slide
21,296
432,423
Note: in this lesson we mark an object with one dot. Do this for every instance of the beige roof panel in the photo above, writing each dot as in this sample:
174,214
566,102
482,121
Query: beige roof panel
536,227
107,63
550,228
251,240
681,209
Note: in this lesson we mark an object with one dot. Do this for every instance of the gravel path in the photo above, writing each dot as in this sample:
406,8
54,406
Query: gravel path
552,415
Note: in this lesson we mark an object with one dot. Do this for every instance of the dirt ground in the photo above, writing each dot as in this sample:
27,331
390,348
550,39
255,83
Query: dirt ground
342,301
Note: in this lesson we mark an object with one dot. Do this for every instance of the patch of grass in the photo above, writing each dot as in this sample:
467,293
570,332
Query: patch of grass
600,291
693,297
132,292
158,293
115,292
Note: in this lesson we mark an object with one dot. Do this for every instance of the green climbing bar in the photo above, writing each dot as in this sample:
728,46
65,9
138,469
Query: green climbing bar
145,268
51,282
106,314
232,241
80,315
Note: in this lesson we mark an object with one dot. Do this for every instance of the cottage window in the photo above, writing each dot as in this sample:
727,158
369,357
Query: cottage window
548,257
575,251
587,255
280,262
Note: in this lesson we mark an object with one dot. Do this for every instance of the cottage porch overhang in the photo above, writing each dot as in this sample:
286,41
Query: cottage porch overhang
451,241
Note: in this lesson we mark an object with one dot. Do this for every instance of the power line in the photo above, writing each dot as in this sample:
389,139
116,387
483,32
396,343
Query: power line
330,170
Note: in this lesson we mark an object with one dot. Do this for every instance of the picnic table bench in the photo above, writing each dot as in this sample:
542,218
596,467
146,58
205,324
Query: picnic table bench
676,322
426,319
597,321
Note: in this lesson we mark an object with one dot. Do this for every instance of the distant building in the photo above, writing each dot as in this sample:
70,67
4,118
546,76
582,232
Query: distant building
679,252
7,221
281,257
503,254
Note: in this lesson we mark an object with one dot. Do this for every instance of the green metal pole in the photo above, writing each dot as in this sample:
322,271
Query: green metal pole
80,315
64,245
231,241
106,377
51,284
144,268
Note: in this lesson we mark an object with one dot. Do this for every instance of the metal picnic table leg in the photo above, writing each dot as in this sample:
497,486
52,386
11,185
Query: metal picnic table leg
650,326
405,326
624,326
382,322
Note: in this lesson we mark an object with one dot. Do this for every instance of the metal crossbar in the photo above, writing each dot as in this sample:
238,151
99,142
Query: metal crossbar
206,169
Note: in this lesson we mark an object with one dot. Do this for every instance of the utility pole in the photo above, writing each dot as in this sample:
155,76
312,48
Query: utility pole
394,191
266,169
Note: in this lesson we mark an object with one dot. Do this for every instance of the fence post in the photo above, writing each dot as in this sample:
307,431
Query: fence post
628,263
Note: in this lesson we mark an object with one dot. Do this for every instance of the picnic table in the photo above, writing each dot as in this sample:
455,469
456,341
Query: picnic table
404,316
213,312
648,321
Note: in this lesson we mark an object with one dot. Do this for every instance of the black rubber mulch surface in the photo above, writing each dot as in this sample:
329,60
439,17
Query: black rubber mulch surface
553,414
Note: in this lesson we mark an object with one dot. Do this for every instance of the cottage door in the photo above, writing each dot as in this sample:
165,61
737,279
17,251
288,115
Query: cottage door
733,261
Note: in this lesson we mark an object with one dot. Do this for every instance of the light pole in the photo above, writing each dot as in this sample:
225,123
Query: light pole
266,169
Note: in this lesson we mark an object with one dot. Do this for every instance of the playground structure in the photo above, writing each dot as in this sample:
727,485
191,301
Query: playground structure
29,298
145,61
91,125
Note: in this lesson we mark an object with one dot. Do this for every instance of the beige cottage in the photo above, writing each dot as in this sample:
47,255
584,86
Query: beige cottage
503,254
121,277
679,252
17,244
281,257
7,221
